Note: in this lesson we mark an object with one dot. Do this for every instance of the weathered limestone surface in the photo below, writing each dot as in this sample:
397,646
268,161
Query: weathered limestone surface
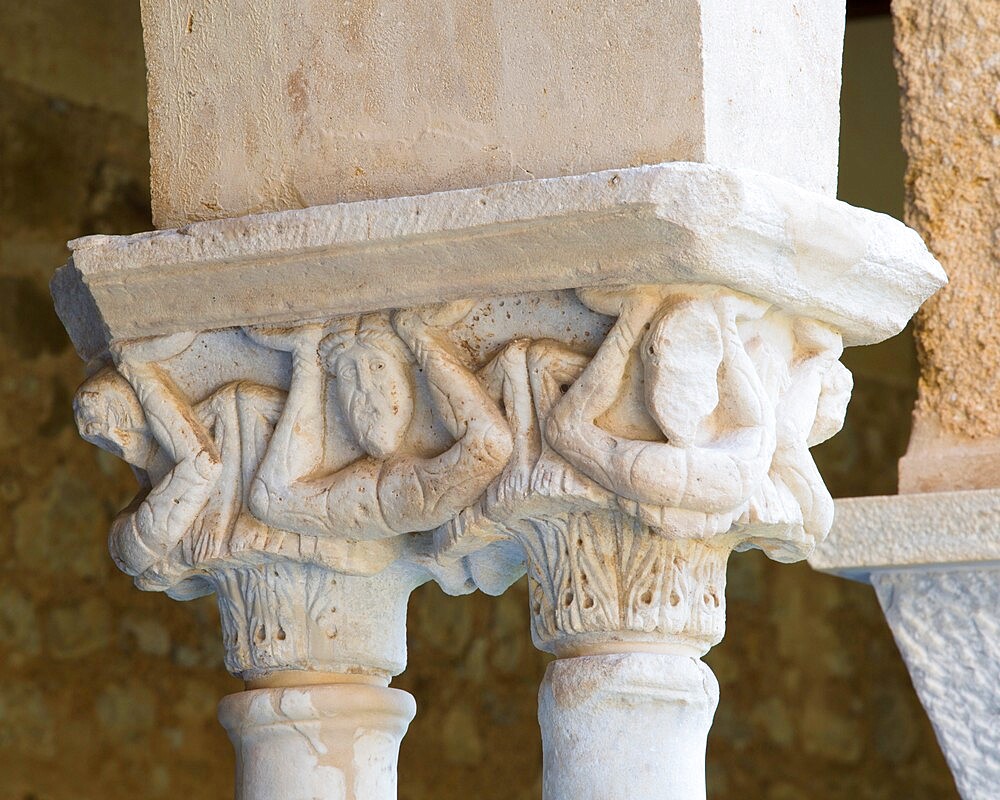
933,529
75,634
861,272
320,102
949,74
934,560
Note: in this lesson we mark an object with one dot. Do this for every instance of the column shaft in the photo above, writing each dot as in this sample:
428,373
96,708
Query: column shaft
333,742
626,725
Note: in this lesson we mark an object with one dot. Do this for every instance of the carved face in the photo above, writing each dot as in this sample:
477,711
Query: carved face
375,393
108,415
831,407
681,355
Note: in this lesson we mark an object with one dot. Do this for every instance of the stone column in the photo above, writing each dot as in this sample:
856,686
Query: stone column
414,369
948,74
931,552
629,724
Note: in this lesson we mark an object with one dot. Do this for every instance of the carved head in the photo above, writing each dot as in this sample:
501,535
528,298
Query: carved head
108,414
820,348
831,408
681,354
373,381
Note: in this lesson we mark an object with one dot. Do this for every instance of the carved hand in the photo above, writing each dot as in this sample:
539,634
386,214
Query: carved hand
302,339
613,301
409,322
138,356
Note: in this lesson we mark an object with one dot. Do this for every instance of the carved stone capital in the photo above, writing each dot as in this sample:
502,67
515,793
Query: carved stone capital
603,580
613,379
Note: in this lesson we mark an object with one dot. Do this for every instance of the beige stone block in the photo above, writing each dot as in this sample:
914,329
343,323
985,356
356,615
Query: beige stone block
282,104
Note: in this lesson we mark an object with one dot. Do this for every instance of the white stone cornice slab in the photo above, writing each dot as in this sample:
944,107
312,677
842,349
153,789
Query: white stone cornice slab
912,531
862,272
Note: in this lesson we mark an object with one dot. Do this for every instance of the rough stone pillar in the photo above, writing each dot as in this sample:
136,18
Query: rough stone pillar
932,553
948,71
610,371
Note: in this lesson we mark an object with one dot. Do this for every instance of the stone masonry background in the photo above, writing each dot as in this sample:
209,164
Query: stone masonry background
109,693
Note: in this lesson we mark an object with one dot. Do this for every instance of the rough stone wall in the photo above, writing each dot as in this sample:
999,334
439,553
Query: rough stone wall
108,693
949,73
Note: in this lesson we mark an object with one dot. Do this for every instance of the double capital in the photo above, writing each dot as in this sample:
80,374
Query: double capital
617,427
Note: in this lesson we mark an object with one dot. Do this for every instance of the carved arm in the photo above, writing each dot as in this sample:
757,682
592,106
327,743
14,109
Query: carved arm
153,525
281,494
422,493
700,354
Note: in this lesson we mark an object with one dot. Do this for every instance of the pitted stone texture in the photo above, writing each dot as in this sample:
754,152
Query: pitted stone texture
947,625
946,57
317,102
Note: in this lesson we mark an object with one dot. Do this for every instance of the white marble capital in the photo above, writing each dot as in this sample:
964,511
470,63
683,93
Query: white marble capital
611,380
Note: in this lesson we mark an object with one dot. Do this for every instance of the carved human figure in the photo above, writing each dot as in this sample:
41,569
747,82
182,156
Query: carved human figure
810,389
505,377
192,513
715,434
385,492
135,413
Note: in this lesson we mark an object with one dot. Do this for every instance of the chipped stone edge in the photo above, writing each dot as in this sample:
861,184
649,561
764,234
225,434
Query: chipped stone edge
862,272
950,530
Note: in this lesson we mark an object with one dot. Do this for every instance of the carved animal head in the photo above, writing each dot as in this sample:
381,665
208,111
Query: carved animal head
681,354
108,414
373,382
